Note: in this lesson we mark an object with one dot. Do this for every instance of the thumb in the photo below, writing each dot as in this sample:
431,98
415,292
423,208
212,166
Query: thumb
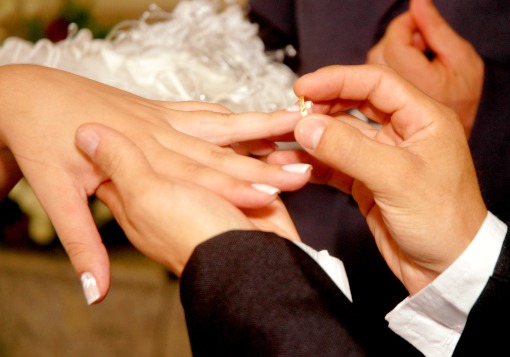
125,167
117,157
129,175
345,148
440,37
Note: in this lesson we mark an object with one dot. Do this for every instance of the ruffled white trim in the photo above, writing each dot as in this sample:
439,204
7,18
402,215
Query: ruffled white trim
196,52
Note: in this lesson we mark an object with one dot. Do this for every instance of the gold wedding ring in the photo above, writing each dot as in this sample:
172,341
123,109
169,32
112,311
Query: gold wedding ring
302,106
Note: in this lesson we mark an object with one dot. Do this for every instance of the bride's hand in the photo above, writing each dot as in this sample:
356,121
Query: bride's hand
42,108
167,218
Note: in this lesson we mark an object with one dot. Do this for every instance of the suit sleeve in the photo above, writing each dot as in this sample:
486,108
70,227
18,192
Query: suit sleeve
274,18
485,333
255,294
490,139
276,27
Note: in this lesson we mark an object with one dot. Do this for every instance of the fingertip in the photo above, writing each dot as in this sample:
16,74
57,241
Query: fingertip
90,287
417,7
266,189
426,15
297,168
309,132
108,150
91,263
300,84
94,276
87,140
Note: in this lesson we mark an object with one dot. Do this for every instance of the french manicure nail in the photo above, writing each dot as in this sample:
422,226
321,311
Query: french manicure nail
297,168
90,289
264,151
270,190
296,108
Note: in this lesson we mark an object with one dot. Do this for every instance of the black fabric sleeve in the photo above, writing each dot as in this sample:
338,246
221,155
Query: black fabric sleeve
255,294
486,333
490,139
276,19
276,27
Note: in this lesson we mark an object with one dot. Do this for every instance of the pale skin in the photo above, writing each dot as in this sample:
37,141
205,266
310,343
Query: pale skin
167,218
413,177
188,141
455,74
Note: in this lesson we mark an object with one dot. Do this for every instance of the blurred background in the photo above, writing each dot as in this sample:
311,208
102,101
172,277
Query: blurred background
42,309
35,19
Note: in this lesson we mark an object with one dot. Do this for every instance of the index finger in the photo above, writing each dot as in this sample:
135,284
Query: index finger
227,128
376,90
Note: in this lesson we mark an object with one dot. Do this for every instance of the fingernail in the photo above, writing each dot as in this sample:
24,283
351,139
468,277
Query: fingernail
270,190
88,141
264,151
296,108
90,289
297,168
309,133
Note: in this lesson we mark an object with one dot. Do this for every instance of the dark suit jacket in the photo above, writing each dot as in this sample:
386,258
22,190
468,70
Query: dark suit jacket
341,32
254,294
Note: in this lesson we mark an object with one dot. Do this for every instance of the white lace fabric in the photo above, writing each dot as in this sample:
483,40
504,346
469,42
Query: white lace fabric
199,51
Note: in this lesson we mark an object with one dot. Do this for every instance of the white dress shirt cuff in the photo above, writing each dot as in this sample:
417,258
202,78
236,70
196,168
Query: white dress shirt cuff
433,319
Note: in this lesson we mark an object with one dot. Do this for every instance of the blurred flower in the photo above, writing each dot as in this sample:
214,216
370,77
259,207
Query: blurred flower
33,20
57,29
70,12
